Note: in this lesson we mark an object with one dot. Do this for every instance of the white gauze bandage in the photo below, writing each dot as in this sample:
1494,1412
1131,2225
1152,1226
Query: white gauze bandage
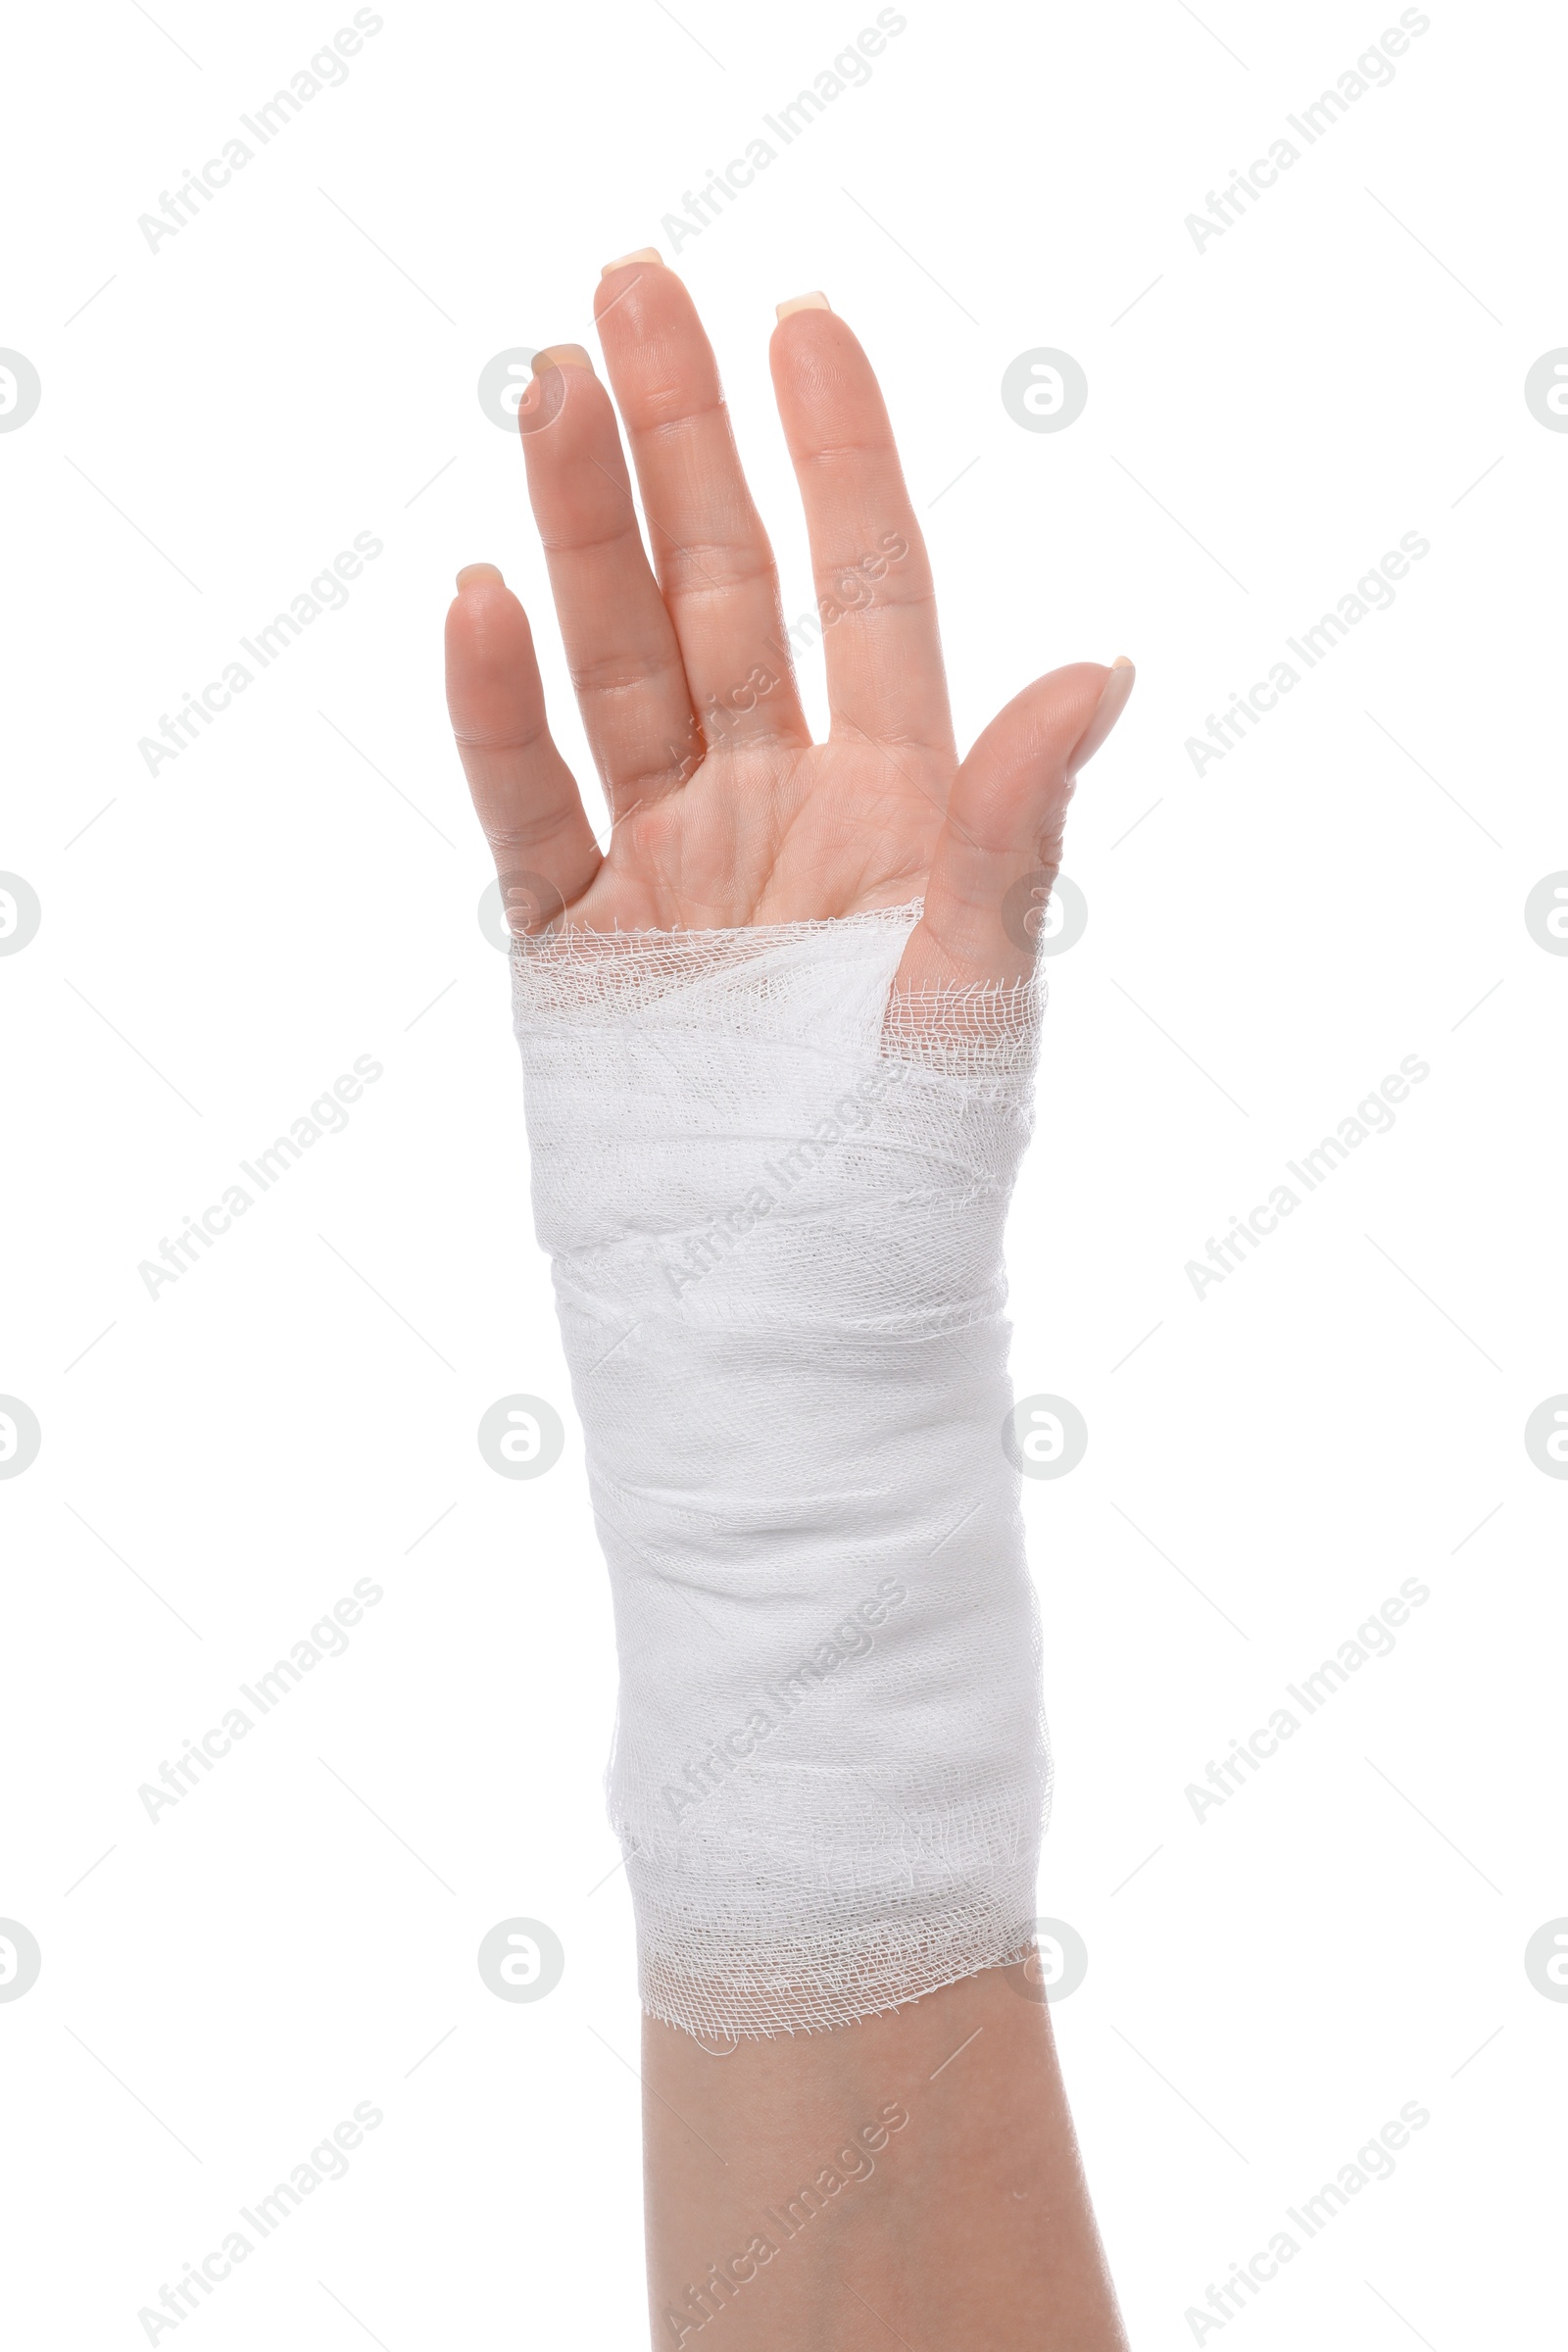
773,1195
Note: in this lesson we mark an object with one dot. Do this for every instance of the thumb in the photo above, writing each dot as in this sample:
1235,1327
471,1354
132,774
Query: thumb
999,849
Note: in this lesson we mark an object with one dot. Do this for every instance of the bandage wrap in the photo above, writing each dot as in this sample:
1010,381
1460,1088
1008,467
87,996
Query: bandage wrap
773,1195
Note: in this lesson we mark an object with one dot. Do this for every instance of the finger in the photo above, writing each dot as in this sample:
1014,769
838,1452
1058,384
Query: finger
715,565
523,791
873,582
1001,847
620,643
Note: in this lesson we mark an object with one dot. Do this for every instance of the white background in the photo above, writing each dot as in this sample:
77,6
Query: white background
219,942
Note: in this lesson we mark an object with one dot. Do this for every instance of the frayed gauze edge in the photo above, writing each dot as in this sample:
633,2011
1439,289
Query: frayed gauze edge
773,1196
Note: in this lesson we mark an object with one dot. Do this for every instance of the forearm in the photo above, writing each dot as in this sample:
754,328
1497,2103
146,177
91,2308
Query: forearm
775,1201
912,2177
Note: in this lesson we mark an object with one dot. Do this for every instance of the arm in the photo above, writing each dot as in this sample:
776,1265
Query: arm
827,1938
960,2216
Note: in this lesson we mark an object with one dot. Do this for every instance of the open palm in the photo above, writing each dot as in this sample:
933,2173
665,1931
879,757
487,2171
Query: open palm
723,810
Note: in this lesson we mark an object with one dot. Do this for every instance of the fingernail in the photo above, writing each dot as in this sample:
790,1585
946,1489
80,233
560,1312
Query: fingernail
644,252
564,355
803,302
1113,699
471,572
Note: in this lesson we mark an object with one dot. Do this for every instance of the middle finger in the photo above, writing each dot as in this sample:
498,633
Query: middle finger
715,565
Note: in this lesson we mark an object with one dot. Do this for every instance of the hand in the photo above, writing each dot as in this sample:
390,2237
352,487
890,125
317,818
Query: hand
723,810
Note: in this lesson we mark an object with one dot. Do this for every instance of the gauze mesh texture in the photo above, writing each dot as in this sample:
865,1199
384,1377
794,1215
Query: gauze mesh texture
773,1196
